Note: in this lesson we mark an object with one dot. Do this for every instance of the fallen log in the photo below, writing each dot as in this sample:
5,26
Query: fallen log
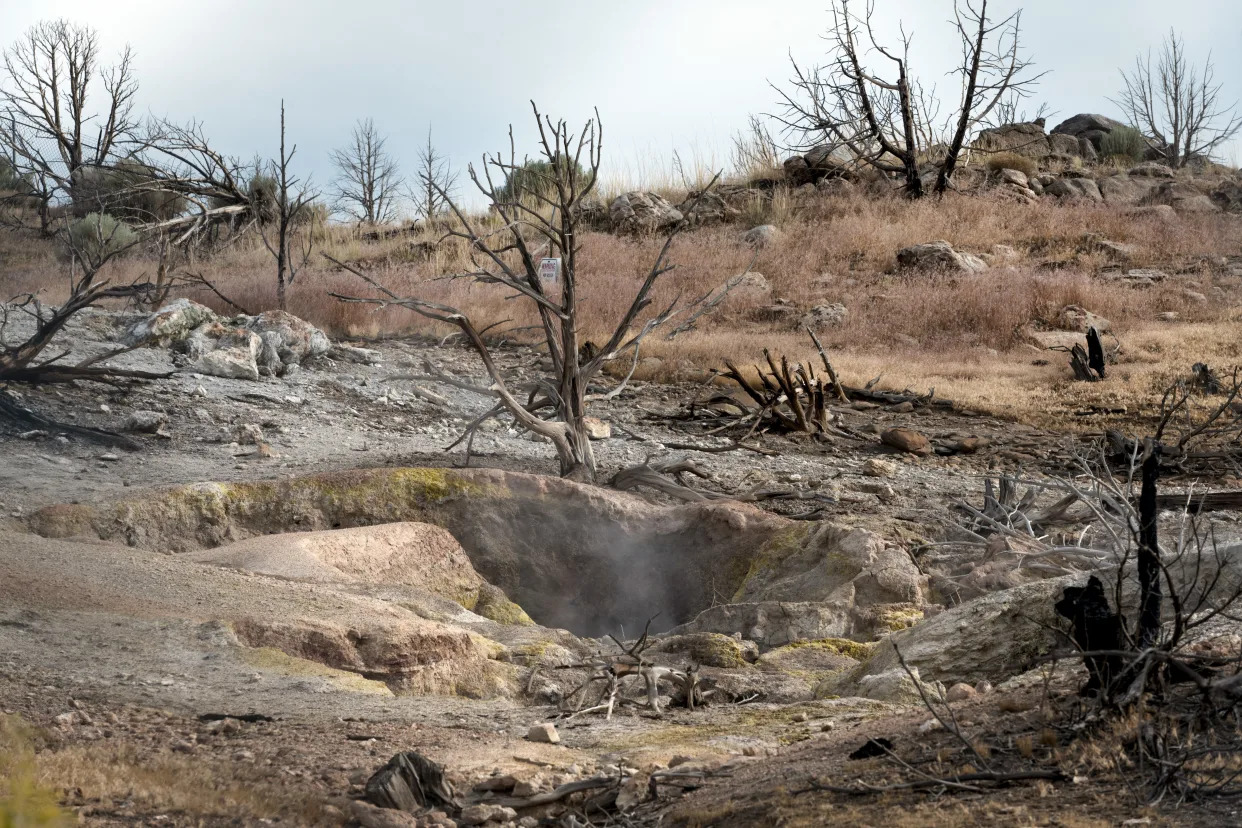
11,408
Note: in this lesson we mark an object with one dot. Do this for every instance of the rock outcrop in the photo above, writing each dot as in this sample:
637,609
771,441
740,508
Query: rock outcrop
938,255
639,213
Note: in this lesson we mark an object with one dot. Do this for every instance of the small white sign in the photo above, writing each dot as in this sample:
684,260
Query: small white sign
549,271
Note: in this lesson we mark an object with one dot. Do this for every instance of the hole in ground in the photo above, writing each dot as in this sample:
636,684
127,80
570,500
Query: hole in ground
589,560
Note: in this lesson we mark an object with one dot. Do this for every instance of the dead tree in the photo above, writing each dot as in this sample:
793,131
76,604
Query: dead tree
888,123
293,198
182,160
92,243
541,219
66,113
1178,104
434,177
367,178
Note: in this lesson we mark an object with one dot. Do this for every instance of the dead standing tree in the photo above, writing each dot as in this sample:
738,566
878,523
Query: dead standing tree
1178,104
888,124
293,197
54,132
435,182
367,178
543,215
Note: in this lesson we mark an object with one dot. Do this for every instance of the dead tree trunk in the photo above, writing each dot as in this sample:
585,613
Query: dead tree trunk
1149,551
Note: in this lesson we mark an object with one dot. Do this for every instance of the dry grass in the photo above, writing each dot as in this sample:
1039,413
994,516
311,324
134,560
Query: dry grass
964,335
156,782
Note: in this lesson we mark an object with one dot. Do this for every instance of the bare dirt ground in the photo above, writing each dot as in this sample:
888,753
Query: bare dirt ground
118,707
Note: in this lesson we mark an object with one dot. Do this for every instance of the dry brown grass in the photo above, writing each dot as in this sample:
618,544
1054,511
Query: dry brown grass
155,782
964,335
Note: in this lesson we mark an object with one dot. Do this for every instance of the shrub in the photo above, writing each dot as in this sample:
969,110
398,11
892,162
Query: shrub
1012,161
127,190
23,802
97,236
535,177
1124,142
11,181
262,190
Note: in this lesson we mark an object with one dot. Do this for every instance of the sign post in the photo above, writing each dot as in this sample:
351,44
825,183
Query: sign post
550,272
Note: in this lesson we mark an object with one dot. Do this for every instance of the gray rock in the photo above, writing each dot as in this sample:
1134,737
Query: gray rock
707,208
638,213
1027,139
777,623
1083,189
1076,318
1093,128
1151,169
1228,196
145,422
938,255
293,340
349,353
761,236
545,733
1123,190
221,351
825,316
171,324
1182,197
993,637
1015,177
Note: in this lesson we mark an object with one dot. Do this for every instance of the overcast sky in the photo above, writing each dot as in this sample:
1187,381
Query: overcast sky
665,74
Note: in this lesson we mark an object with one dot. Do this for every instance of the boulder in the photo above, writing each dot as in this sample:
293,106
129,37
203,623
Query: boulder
938,255
1015,177
993,637
1075,189
171,324
1076,318
1091,128
219,350
798,172
1182,197
1228,196
710,649
895,686
777,623
1027,139
1151,169
545,733
761,236
827,563
752,286
1066,145
145,422
825,316
907,440
706,208
287,339
1124,190
638,213
351,353
829,162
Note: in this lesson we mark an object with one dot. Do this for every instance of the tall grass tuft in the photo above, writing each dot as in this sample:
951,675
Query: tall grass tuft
1125,143
24,803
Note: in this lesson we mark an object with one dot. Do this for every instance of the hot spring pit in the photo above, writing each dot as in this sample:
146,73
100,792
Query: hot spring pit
590,560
